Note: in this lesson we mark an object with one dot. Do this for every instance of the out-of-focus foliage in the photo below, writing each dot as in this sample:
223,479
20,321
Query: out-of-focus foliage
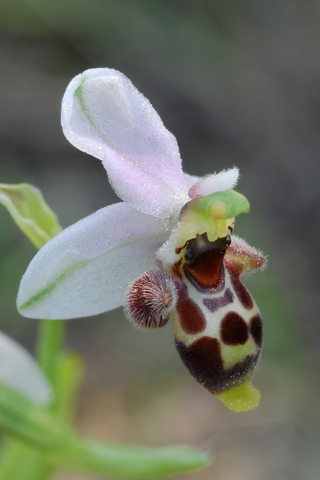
238,84
30,212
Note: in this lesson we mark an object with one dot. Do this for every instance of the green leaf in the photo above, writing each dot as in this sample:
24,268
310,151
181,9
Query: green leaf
133,462
30,212
30,423
20,461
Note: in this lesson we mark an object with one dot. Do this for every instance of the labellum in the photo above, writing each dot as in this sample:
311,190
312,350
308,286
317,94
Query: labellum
216,323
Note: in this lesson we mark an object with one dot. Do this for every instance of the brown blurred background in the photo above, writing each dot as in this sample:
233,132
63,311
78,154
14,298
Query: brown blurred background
238,83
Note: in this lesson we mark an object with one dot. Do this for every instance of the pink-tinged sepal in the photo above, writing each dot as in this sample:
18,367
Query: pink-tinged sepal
104,115
150,300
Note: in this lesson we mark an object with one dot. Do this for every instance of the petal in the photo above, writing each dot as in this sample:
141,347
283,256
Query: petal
224,180
19,371
243,259
86,268
191,179
150,299
104,115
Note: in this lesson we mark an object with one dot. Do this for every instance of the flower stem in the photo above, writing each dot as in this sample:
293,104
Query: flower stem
60,448
50,342
32,464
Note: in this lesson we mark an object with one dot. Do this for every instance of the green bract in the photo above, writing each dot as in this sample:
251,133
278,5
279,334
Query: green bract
30,212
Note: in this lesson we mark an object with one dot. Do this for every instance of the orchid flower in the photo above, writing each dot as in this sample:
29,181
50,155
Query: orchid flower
141,251
19,371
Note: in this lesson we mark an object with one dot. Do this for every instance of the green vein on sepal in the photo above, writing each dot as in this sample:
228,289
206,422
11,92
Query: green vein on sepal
45,291
79,95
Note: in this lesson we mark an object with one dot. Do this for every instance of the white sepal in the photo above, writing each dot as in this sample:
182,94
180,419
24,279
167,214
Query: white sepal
19,371
104,115
86,268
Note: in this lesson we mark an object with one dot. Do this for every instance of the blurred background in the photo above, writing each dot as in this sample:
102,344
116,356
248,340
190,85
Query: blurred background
238,83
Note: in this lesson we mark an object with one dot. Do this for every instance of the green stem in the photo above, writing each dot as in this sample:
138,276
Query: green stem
103,459
50,342
36,427
31,464
24,461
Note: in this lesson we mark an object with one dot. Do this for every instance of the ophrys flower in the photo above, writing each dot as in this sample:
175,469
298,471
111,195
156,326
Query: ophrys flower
86,269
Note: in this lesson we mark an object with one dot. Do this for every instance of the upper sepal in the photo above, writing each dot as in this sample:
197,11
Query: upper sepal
104,115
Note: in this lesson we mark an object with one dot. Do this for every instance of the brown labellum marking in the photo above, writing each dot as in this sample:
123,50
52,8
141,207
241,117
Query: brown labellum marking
242,293
234,330
204,267
234,268
179,249
213,304
203,360
176,269
255,328
191,318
